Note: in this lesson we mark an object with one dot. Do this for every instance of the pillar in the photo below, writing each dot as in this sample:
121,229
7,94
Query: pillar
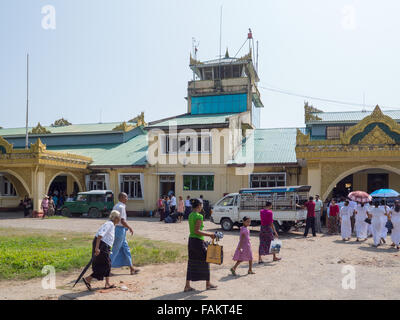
314,178
38,189
70,184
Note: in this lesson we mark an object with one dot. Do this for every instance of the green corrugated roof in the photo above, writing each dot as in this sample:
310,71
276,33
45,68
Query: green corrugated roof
74,128
350,116
189,119
271,146
130,153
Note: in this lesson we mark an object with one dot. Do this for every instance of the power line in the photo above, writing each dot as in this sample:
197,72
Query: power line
340,102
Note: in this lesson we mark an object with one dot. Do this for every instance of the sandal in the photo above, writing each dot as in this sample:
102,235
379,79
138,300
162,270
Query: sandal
135,271
188,289
251,272
113,286
88,286
212,287
233,272
277,259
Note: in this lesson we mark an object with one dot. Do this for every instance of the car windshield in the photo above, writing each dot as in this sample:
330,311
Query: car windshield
227,201
81,197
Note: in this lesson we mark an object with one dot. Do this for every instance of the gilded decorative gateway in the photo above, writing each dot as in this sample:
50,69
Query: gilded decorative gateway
33,169
372,143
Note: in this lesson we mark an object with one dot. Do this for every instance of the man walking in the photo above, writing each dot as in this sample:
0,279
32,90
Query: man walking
318,213
310,222
121,254
173,203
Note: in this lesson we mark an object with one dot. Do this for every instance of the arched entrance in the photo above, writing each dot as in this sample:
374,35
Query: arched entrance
13,188
64,183
365,178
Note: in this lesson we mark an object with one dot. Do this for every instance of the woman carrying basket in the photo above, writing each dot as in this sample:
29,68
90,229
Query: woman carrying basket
198,269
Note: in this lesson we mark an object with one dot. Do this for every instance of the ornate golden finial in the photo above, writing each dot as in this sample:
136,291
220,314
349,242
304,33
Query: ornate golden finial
226,54
308,113
377,113
38,146
302,139
139,120
61,123
39,129
5,145
123,127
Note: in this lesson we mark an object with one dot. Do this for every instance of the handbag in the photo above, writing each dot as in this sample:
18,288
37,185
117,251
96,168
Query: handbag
389,225
215,253
367,220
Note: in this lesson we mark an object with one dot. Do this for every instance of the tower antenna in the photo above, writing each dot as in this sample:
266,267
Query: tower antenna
220,42
27,103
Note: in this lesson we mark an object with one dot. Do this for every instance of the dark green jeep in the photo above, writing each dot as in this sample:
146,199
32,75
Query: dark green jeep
95,204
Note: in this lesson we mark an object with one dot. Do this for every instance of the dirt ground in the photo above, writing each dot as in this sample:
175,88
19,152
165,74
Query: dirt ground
310,268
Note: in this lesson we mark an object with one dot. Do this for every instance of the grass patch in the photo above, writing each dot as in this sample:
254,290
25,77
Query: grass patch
23,253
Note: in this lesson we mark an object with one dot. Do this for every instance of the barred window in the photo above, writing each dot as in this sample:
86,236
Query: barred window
333,132
267,180
130,184
97,182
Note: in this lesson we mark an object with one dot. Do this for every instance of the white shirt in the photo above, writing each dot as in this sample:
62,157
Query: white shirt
173,201
353,204
107,232
361,213
187,203
346,212
121,208
318,205
377,213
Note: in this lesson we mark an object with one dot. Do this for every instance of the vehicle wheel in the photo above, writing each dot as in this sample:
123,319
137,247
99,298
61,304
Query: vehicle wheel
94,213
285,227
65,212
227,224
277,226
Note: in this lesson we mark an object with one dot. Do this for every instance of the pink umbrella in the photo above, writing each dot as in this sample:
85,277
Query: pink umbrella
360,196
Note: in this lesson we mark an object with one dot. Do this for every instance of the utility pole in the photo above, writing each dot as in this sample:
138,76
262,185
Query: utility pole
27,103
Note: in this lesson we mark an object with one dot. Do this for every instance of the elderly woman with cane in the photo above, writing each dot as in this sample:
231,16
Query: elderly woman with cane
101,248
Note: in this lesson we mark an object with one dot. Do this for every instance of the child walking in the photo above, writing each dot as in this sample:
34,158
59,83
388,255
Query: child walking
243,251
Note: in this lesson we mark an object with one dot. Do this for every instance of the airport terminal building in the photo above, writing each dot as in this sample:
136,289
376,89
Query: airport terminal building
215,148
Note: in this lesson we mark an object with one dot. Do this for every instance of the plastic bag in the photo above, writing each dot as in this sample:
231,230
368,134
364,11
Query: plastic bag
276,246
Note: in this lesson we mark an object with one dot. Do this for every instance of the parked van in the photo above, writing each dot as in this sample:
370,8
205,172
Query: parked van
230,210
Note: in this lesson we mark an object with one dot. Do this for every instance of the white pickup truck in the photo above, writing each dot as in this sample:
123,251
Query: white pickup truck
230,210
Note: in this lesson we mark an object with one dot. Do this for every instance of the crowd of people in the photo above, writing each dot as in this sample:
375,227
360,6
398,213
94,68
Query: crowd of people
110,248
171,210
50,205
347,217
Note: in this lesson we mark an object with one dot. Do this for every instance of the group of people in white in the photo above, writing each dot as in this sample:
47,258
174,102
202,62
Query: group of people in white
371,219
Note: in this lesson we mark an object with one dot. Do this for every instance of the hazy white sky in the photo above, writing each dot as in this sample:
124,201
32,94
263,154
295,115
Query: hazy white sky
110,60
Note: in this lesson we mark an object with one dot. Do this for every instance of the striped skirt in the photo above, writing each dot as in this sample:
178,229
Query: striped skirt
266,236
198,269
